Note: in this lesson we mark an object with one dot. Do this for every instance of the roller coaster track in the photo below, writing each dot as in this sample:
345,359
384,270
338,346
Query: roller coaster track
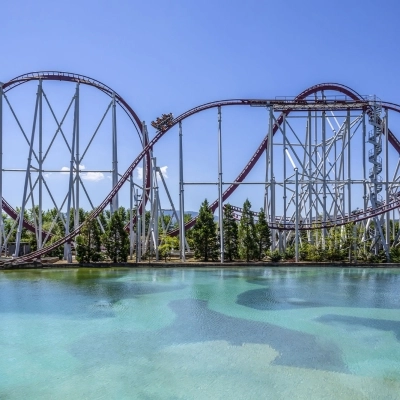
25,223
289,225
261,148
354,97
81,79
70,77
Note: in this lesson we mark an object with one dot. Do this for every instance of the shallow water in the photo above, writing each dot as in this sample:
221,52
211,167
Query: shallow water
253,333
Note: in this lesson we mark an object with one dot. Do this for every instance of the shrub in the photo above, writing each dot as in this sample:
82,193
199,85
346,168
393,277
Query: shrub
275,256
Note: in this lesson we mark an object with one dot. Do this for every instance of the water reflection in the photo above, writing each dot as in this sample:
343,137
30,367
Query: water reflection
79,293
363,288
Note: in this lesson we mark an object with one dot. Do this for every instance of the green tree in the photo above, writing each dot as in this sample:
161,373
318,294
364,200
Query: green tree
205,239
263,234
88,243
168,244
247,233
189,232
115,238
230,234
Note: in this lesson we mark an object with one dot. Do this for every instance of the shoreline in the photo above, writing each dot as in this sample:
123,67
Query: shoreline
173,264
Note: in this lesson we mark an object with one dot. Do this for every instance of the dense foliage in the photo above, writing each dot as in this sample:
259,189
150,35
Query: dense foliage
247,234
263,235
205,238
88,243
168,245
115,239
249,239
230,234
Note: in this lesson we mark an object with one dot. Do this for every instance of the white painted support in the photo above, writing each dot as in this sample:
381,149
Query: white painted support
316,188
387,215
309,140
284,179
155,209
131,188
324,214
174,213
144,195
138,228
96,130
114,202
272,176
1,170
19,124
364,165
77,165
220,204
181,199
67,246
296,234
149,242
28,169
297,216
39,232
59,124
349,208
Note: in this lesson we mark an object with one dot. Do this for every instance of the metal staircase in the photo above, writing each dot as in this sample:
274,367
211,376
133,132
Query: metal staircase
375,138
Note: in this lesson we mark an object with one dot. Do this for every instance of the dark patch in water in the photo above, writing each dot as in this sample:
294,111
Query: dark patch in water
268,299
349,323
196,323
355,290
94,299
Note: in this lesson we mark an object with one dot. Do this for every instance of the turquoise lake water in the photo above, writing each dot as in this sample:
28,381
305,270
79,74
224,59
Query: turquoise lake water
209,333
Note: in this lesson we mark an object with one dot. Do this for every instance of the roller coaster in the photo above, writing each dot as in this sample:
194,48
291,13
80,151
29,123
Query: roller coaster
330,159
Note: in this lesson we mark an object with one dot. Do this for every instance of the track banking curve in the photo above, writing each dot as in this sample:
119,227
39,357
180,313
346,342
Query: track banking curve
354,96
77,78
81,79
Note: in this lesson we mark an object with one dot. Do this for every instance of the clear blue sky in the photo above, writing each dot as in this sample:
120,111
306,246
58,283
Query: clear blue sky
169,56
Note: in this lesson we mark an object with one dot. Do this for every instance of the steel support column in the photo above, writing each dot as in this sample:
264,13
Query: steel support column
28,171
131,188
138,228
1,170
114,203
349,176
364,165
284,179
155,210
364,162
220,206
142,237
40,215
181,199
67,247
77,164
310,161
297,211
316,166
386,127
296,234
150,242
324,175
271,173
348,127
